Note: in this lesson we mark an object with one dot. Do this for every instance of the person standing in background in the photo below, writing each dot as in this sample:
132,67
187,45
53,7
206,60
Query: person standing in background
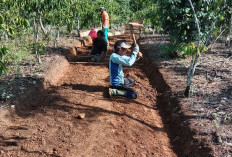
105,23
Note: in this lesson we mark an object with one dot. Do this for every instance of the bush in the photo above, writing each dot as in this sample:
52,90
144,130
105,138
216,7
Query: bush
39,46
3,51
17,50
178,51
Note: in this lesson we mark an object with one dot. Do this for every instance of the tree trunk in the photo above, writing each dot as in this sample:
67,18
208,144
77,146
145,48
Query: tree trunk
153,31
230,28
57,36
193,63
41,25
228,39
5,34
191,72
36,38
211,45
35,31
78,25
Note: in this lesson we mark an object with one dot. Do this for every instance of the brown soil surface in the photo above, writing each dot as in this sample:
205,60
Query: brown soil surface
43,119
207,114
44,122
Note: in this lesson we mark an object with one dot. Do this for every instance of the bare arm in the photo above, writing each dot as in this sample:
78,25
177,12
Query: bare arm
101,56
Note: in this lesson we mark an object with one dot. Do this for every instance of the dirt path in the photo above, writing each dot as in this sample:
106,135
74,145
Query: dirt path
45,123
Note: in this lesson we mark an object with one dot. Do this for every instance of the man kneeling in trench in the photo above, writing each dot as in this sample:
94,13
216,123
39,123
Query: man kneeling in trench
119,84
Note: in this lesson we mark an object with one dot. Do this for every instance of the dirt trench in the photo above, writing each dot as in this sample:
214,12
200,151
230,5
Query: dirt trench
45,121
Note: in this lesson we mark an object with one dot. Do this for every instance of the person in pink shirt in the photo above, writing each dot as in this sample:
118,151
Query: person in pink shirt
93,34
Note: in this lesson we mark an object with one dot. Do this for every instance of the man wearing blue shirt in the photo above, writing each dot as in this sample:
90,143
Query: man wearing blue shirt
119,84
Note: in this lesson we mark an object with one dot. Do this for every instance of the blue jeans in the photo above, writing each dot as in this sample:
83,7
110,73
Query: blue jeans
105,31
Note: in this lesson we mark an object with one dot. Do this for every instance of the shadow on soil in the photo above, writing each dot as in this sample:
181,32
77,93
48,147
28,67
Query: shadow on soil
10,141
38,100
90,88
175,121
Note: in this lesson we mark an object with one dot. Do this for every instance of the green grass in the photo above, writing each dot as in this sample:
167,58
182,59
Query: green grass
18,50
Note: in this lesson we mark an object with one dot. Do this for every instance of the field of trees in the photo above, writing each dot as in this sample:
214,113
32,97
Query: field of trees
193,28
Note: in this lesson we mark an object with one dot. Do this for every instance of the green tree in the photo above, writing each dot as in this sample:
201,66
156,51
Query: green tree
11,21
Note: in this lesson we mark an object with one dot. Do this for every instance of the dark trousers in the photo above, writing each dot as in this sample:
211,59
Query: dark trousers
128,82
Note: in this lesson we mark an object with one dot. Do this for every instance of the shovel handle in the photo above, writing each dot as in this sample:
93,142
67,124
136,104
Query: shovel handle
132,34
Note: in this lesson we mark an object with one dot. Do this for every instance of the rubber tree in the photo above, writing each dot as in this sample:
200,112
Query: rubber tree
45,14
190,23
3,49
144,11
10,18
202,44
90,15
10,22
61,16
223,27
152,17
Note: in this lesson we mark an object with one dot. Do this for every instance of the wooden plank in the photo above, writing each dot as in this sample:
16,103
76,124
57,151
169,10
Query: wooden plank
136,24
93,63
84,56
99,63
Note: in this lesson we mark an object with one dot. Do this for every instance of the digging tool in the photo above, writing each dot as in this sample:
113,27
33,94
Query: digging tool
132,30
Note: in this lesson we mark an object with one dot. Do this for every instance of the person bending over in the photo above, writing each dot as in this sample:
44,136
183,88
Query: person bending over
99,48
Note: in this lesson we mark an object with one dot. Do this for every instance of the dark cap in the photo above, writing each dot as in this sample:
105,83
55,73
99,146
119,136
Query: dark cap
103,8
